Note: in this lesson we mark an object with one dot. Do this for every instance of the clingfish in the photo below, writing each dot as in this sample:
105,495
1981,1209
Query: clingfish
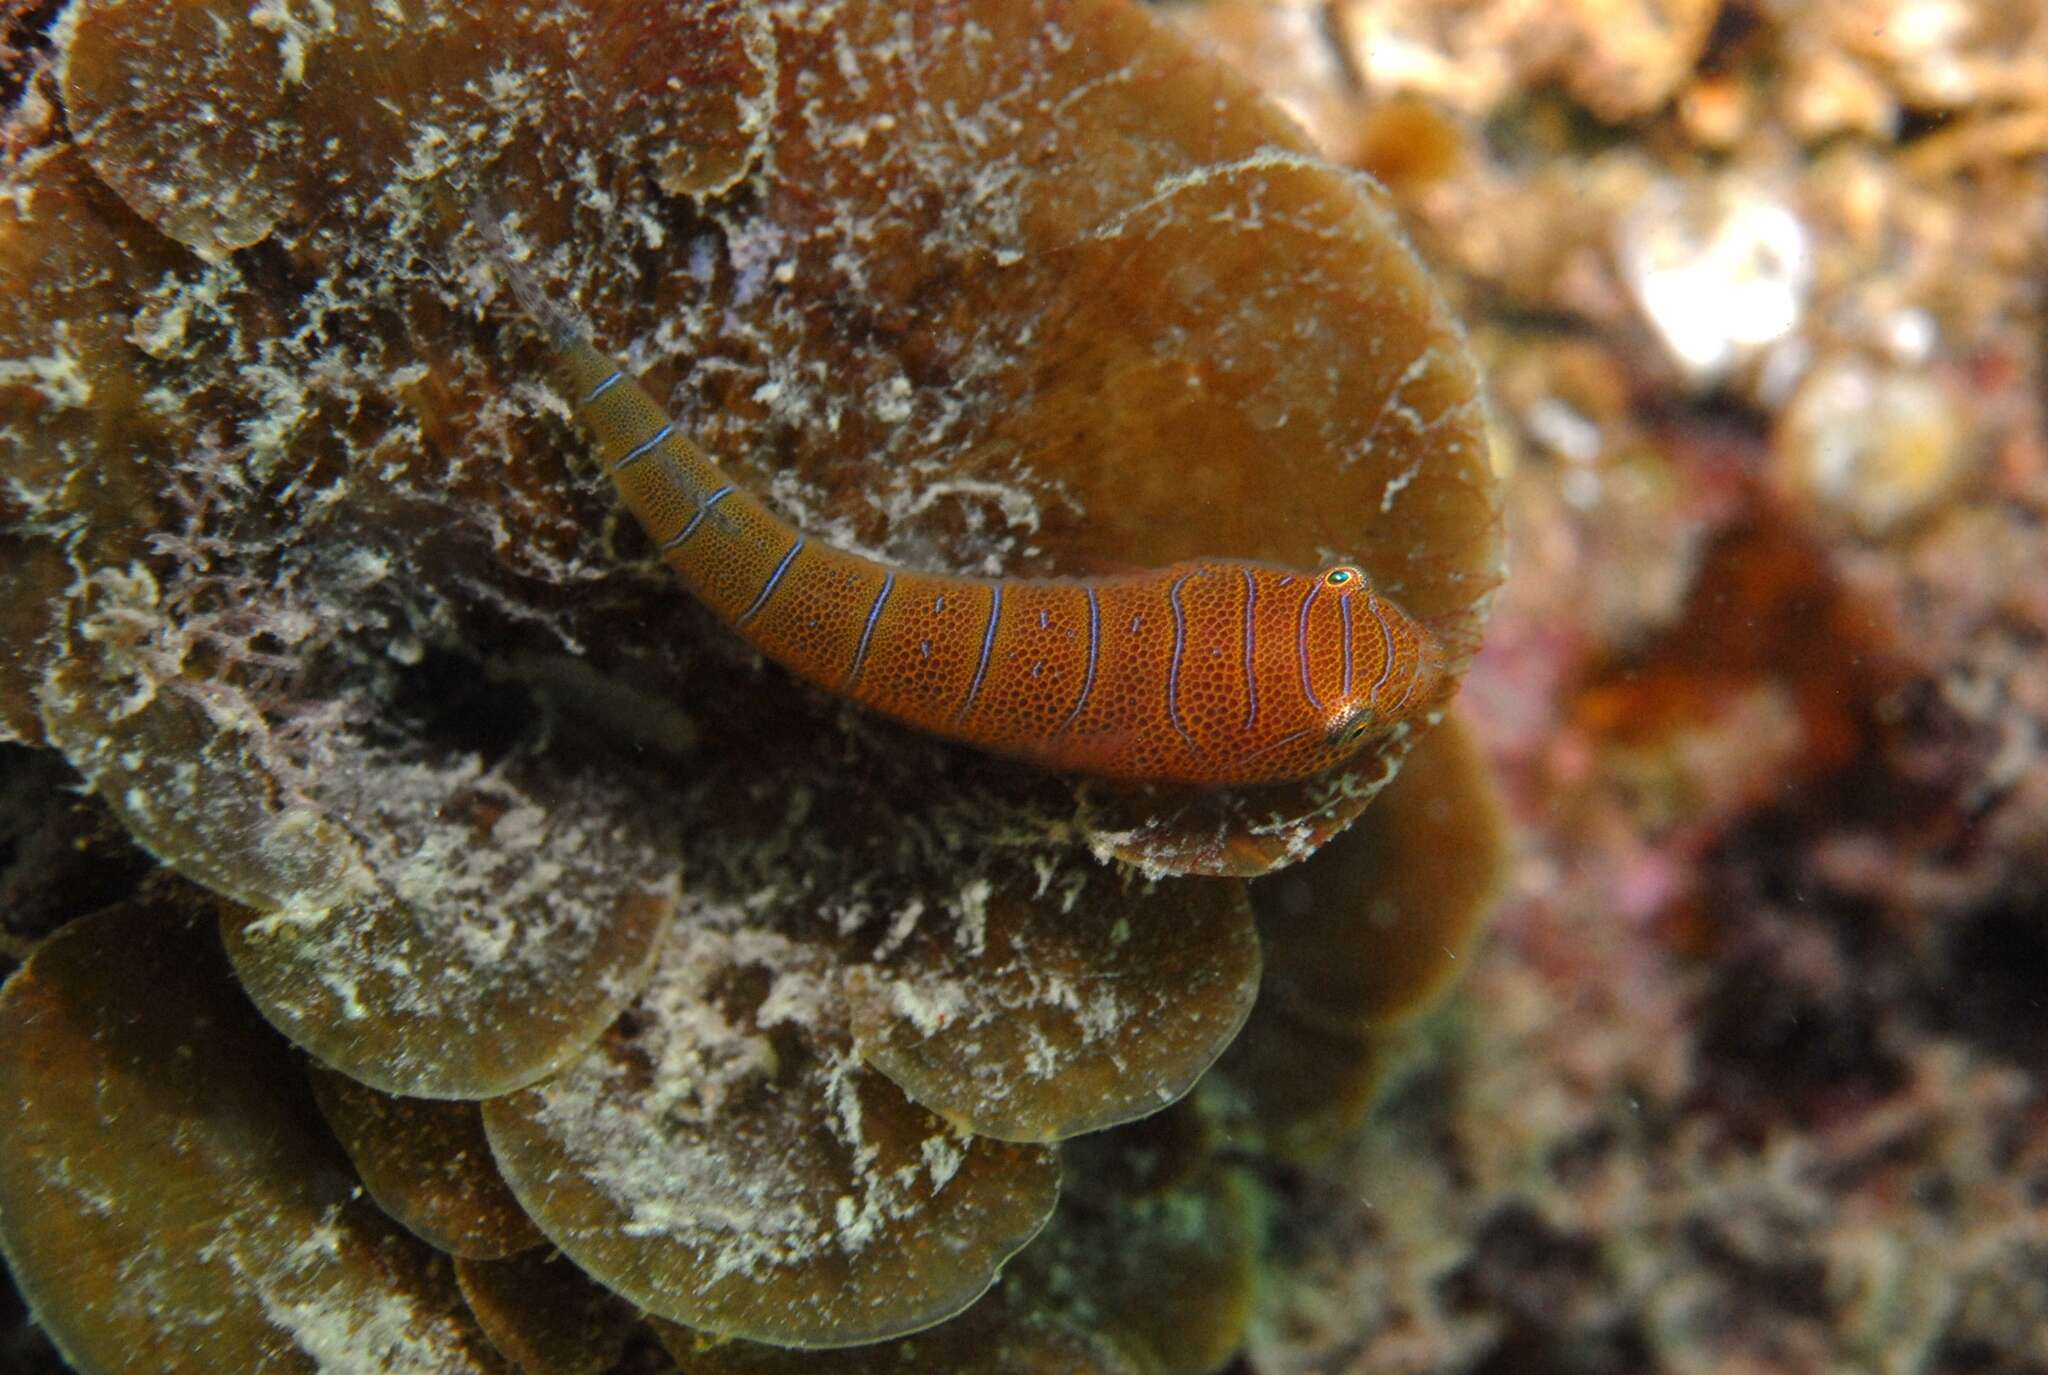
1210,671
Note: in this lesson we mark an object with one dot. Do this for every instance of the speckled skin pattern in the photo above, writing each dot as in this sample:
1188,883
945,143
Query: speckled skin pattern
1212,671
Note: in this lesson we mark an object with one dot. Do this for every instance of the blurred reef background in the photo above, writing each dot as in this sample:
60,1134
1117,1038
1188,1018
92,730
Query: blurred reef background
1753,1071
435,945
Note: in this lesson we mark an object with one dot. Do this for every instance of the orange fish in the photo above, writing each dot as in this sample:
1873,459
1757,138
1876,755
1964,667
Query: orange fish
1210,671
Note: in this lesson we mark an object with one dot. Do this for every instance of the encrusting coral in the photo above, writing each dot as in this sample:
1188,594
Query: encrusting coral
774,1011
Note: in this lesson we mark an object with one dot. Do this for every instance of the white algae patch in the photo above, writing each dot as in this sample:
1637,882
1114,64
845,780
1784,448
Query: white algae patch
736,1178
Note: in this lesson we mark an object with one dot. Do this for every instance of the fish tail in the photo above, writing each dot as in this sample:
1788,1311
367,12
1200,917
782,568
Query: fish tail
563,327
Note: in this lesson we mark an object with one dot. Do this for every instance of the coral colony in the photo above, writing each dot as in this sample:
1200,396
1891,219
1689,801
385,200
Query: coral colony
498,960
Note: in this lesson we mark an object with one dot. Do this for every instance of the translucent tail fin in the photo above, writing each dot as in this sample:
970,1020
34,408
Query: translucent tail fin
563,328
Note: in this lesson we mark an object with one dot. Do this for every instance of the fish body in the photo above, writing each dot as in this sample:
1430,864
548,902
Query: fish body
1210,671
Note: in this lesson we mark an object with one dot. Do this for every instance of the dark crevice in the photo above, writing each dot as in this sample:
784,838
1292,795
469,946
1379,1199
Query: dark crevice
1996,990
24,1349
1548,1288
1975,1356
1524,1268
1616,1349
1777,1043
1739,31
450,700
1918,124
1786,1283
24,43
62,854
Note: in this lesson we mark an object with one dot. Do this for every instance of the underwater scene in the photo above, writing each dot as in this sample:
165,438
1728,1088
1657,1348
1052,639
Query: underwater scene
1024,687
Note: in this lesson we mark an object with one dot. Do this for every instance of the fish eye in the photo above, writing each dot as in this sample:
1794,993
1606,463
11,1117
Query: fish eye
1353,731
1342,576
